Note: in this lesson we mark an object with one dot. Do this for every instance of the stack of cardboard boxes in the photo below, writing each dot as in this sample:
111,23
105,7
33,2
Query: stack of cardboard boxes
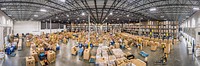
35,55
30,61
51,56
86,54
154,46
74,50
167,48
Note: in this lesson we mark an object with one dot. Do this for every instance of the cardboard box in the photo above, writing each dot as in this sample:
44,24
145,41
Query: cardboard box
129,48
167,49
51,56
30,61
150,43
86,54
28,43
153,47
74,50
117,45
39,50
138,62
35,55
111,47
145,43
101,61
33,46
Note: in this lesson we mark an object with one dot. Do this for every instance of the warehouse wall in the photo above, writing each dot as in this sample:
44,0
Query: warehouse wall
6,27
33,27
191,28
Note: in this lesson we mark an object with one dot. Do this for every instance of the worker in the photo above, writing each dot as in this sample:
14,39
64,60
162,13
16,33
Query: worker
163,46
164,58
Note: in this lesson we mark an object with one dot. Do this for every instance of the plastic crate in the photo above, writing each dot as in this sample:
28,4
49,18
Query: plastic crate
144,54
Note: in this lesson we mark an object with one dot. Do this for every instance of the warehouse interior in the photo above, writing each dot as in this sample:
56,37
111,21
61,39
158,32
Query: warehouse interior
99,32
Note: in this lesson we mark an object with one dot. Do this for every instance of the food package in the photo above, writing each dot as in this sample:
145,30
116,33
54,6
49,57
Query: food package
30,61
51,56
86,54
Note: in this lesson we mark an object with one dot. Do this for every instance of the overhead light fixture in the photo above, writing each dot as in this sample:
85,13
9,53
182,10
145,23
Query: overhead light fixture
3,8
111,13
35,15
9,15
59,20
62,0
56,17
196,8
152,9
162,16
106,17
43,10
83,14
127,15
67,15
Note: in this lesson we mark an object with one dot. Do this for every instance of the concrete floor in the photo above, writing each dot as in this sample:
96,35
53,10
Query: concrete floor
177,57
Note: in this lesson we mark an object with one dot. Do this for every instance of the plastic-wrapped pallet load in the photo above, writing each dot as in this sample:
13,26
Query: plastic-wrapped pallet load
101,61
118,53
111,61
86,54
33,46
138,62
51,56
30,61
20,44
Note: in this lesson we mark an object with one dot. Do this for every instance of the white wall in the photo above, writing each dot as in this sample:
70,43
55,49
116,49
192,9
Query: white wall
193,22
33,27
5,24
27,27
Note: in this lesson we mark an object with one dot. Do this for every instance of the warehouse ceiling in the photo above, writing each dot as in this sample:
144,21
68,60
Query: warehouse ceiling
100,10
